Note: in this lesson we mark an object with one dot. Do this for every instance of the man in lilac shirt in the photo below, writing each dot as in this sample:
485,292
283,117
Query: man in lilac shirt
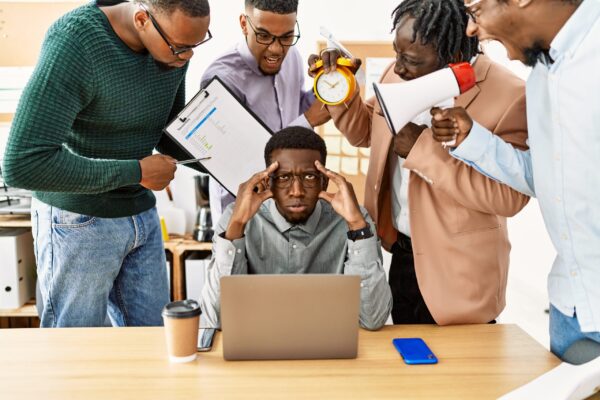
266,73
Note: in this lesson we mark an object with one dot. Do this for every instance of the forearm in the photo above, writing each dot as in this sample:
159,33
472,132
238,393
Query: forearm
354,120
51,167
364,260
458,181
229,258
497,159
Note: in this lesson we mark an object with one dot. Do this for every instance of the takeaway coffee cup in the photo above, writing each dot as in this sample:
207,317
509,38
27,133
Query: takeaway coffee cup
182,319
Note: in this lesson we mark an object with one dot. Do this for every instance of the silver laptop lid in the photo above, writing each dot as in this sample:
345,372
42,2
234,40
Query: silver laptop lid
305,316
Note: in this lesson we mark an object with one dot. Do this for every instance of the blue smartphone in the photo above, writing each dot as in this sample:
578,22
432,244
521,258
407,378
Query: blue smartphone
414,351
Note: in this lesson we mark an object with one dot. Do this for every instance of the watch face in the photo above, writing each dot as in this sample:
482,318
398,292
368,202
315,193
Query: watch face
333,87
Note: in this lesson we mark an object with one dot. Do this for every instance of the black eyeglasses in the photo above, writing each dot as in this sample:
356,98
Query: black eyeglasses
266,38
174,49
307,179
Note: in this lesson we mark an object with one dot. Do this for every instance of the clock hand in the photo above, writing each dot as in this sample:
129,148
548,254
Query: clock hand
329,84
334,85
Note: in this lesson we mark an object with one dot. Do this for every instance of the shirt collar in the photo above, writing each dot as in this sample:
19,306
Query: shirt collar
248,58
575,29
310,226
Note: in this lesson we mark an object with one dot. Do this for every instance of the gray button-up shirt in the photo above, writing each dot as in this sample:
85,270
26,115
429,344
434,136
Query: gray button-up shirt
278,100
272,245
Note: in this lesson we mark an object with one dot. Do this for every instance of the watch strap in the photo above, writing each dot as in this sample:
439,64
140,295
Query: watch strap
359,234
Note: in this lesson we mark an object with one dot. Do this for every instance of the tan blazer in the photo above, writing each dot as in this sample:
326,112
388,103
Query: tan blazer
457,215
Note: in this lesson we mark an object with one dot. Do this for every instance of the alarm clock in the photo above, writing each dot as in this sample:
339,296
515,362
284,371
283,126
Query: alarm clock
335,87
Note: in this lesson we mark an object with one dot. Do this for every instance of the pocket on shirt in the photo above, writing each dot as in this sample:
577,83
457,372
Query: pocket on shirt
467,220
67,219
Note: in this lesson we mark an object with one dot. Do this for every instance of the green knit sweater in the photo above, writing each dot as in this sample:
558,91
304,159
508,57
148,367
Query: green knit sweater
91,110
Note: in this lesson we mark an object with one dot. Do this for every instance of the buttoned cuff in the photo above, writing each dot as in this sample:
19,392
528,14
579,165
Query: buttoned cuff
226,252
363,251
475,144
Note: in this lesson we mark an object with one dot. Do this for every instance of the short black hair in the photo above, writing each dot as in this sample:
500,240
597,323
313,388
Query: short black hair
191,8
295,137
443,23
274,6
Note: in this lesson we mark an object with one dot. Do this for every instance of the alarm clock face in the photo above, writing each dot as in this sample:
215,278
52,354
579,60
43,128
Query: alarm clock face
333,87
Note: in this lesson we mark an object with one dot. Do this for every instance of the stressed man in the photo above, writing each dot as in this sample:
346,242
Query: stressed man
284,221
266,72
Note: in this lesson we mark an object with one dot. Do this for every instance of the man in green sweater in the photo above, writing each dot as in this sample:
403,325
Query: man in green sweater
109,77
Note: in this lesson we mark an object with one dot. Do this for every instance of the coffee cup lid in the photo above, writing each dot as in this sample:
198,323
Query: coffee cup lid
182,309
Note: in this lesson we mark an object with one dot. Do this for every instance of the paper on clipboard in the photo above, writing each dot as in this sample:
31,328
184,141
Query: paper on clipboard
214,123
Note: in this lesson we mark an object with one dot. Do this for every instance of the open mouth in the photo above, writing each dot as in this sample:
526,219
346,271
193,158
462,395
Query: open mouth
272,61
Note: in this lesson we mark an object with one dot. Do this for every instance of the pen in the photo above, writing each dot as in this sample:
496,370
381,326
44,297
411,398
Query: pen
193,160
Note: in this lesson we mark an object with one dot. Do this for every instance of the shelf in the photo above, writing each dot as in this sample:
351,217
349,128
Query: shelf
15,221
28,310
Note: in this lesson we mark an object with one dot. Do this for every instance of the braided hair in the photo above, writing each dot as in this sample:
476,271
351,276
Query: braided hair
442,23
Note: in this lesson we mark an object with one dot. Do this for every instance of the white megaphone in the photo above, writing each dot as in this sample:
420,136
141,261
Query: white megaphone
401,102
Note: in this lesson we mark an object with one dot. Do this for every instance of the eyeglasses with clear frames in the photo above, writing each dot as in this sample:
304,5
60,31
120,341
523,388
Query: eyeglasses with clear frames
307,180
174,49
468,9
267,39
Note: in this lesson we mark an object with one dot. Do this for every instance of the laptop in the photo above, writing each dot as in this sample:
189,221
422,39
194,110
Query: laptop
286,317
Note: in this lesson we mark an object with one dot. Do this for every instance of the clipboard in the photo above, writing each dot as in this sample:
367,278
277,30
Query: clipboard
215,123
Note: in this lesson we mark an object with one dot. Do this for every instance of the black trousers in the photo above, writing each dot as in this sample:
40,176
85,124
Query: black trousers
409,306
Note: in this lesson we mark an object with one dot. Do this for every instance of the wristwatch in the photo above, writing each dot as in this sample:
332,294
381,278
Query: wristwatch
359,234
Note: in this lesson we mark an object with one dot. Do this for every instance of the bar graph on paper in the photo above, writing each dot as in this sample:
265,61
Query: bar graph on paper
214,124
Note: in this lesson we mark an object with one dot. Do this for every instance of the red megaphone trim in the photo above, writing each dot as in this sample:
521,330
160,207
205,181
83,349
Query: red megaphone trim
464,74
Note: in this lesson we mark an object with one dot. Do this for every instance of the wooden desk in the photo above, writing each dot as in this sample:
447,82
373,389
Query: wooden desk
476,362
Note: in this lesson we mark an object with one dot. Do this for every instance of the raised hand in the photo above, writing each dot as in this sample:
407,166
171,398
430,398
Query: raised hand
329,57
158,170
344,201
451,125
251,194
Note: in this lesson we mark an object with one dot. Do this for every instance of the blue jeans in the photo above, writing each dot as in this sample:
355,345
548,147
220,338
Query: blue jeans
88,266
565,330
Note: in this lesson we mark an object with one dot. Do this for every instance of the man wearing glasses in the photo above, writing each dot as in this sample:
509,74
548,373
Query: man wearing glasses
266,73
108,78
284,221
559,39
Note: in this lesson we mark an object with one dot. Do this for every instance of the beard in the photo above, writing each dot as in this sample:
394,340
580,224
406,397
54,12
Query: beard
534,53
268,73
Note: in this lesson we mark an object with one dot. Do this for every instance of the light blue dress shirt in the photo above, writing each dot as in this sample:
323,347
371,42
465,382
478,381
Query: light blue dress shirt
278,100
562,167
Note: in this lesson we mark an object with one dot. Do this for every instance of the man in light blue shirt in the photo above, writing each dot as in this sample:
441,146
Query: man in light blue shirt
561,41
266,72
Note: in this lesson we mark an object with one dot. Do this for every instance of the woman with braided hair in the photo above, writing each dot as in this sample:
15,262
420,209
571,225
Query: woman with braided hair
443,221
